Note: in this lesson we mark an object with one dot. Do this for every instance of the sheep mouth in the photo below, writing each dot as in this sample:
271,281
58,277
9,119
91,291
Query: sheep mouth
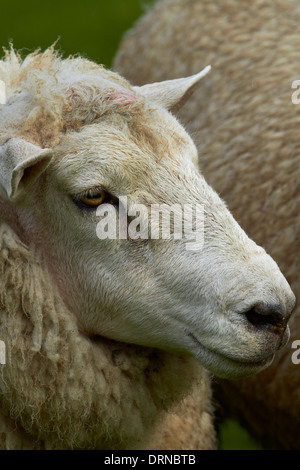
226,366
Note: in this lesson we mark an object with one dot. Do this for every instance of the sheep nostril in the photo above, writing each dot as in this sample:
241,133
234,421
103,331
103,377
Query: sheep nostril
267,316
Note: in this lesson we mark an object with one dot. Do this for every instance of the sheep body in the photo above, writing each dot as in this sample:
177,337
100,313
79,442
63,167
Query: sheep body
60,389
246,129
64,392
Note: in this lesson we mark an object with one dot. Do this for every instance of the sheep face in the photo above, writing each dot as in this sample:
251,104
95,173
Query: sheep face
227,303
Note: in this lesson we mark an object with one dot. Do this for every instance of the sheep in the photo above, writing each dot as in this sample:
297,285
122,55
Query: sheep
98,330
245,122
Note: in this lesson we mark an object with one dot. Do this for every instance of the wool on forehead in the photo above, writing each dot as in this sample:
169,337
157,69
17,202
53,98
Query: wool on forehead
46,95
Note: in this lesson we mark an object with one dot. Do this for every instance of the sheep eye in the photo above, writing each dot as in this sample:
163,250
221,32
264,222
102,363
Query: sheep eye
92,198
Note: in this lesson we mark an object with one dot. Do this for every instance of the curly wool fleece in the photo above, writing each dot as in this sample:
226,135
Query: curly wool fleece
62,390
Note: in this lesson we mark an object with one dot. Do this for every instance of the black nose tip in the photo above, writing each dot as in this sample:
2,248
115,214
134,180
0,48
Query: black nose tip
268,316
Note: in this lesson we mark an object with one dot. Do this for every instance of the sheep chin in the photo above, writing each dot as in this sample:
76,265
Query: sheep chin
227,367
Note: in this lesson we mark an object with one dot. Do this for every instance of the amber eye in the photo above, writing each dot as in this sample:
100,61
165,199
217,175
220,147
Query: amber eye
93,198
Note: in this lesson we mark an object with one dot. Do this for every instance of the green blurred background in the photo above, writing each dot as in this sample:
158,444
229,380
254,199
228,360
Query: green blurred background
93,28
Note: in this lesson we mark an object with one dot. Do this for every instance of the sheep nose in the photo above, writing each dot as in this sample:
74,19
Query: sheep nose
270,316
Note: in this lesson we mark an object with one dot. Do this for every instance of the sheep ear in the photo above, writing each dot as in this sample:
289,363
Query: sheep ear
171,94
21,163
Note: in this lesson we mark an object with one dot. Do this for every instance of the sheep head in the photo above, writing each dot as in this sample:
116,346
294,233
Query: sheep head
226,304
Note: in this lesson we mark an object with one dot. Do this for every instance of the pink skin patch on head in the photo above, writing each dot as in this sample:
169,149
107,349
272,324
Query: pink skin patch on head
123,97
